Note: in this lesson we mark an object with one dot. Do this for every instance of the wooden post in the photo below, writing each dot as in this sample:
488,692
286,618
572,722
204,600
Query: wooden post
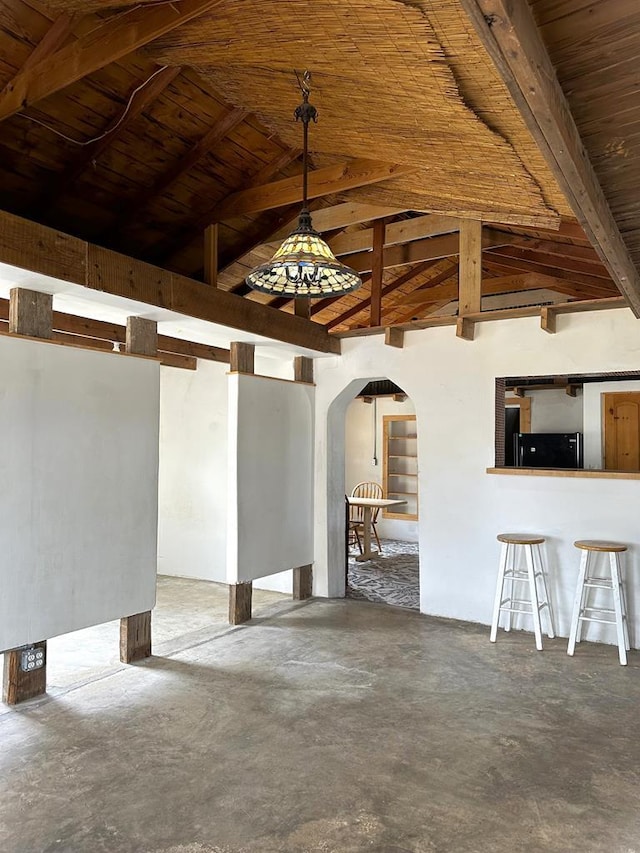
17,685
30,314
211,255
470,276
303,369
242,357
377,270
302,307
302,583
240,602
135,637
135,630
394,337
142,336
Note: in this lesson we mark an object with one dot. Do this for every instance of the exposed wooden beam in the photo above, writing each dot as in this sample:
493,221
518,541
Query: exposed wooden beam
571,264
211,255
490,316
185,236
593,283
394,285
340,216
54,38
434,285
180,167
396,232
394,337
43,250
433,248
491,287
510,35
470,274
549,313
242,357
325,181
107,43
116,128
377,270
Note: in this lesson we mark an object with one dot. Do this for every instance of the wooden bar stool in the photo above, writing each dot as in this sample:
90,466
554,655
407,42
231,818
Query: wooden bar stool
512,545
586,582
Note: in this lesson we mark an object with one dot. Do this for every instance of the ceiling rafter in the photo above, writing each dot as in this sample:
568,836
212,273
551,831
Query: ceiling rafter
511,37
140,100
394,285
596,283
107,43
205,145
195,229
53,39
325,181
449,272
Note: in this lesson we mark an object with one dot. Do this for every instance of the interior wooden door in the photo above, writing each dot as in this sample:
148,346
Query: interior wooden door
621,424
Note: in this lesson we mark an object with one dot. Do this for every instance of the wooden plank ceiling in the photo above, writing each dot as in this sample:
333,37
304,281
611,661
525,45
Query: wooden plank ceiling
140,149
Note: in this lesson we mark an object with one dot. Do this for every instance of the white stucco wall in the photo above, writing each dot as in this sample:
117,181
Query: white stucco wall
192,525
359,456
555,411
451,383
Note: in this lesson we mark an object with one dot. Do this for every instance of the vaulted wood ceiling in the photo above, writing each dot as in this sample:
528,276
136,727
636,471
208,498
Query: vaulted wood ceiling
139,150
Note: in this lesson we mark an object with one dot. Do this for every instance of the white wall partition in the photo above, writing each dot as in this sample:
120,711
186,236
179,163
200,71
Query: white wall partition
192,523
79,497
270,479
463,508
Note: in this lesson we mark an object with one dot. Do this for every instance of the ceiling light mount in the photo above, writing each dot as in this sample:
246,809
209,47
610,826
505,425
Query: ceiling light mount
304,266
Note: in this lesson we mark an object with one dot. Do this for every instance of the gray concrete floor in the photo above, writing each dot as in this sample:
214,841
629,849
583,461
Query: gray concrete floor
324,726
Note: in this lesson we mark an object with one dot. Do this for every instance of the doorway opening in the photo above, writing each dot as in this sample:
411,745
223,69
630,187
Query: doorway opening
381,485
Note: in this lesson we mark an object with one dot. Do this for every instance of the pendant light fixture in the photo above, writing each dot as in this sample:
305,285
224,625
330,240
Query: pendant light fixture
304,265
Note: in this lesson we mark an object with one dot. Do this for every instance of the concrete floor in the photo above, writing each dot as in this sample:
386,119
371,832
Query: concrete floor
326,726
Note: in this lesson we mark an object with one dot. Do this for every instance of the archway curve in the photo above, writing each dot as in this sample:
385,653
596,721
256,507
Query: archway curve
335,477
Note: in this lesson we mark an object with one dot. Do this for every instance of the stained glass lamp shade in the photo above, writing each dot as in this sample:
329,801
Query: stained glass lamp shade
304,265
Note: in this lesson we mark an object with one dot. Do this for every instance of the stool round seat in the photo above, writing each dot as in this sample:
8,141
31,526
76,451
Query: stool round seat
520,539
596,545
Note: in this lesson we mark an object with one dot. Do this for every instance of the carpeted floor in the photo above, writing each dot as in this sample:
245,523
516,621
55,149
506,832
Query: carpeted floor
391,578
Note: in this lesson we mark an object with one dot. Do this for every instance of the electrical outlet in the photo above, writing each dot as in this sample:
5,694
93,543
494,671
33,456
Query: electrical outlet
31,659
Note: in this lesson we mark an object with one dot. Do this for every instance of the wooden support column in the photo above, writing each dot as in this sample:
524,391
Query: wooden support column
303,369
302,583
242,357
469,276
135,630
302,307
30,314
377,270
240,595
211,255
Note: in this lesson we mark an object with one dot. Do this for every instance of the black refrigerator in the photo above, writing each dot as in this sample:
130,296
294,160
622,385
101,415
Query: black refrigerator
548,449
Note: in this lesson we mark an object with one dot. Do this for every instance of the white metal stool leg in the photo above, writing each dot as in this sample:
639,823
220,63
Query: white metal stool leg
504,551
577,604
618,608
545,588
533,592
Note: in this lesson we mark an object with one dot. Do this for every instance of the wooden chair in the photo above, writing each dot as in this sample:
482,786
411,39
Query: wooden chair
356,513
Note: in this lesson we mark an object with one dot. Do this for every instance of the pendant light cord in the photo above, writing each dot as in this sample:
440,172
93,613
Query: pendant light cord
306,113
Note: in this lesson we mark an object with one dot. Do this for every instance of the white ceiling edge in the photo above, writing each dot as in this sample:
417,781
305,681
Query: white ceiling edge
82,301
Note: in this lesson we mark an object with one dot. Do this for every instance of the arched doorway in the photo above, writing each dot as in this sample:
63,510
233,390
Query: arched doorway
342,469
